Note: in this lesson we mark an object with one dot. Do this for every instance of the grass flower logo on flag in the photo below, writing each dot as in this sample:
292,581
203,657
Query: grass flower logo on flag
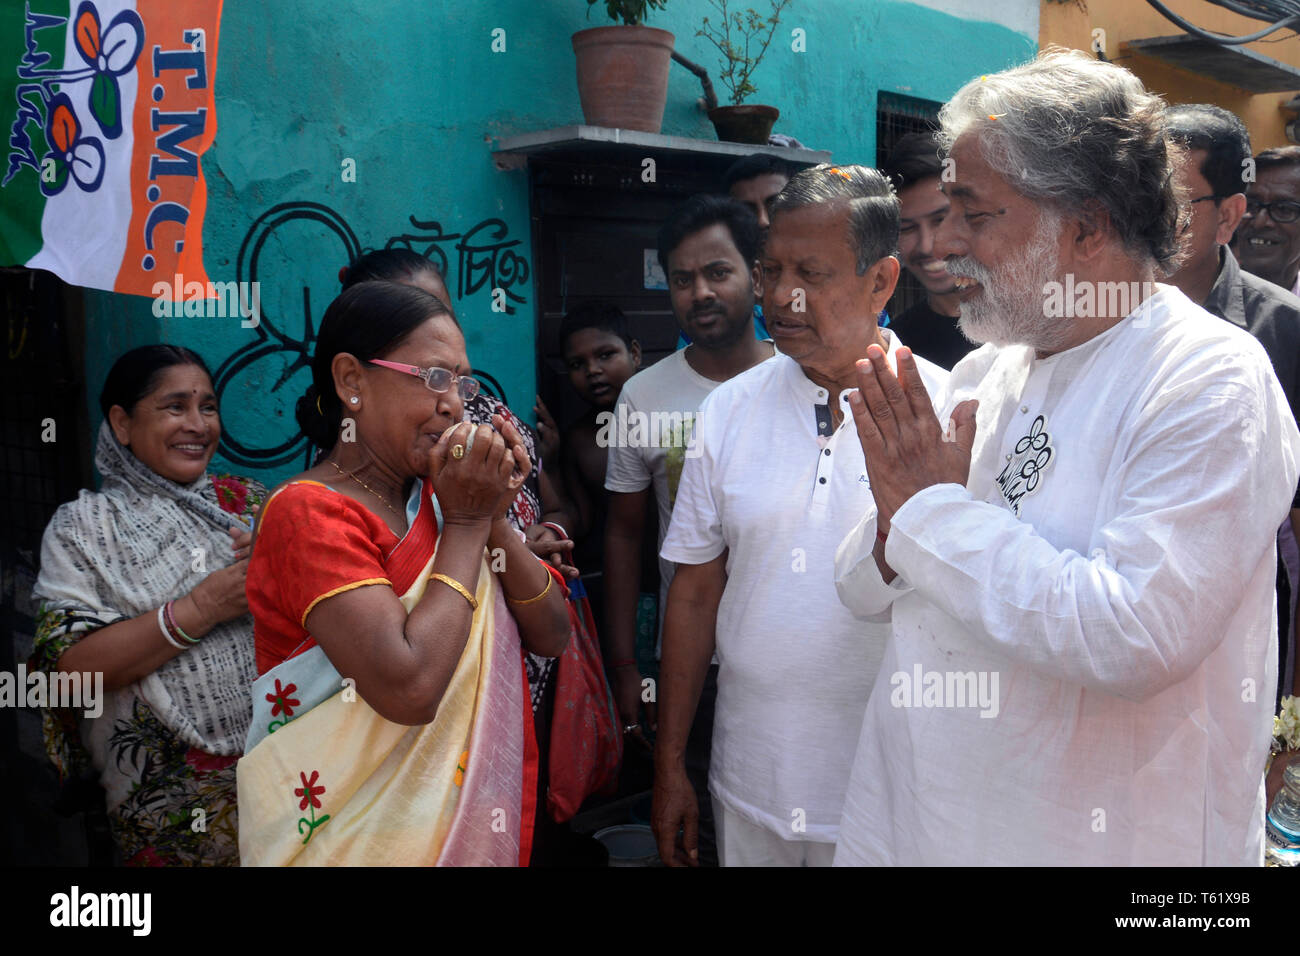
71,154
91,106
109,53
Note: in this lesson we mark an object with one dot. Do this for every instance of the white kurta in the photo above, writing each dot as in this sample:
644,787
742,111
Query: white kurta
779,489
1111,565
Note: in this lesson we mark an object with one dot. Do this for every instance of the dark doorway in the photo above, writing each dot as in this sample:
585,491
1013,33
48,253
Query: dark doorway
45,458
594,223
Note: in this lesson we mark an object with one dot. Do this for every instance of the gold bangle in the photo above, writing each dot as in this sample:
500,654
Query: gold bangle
456,585
546,590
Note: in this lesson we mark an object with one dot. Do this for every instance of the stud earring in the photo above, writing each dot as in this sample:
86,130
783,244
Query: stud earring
354,399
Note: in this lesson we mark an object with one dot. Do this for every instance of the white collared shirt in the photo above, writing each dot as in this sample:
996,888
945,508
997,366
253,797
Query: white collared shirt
1109,570
779,488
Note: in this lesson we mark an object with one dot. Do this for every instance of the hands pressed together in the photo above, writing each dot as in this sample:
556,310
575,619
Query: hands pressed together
485,480
476,470
905,447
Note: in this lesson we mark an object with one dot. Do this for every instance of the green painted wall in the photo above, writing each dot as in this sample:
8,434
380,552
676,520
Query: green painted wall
414,94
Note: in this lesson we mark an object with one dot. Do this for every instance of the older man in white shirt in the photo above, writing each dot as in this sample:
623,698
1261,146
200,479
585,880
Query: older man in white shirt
1093,547
777,481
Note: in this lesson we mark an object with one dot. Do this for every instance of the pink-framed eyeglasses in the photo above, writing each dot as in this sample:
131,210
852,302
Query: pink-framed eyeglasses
435,379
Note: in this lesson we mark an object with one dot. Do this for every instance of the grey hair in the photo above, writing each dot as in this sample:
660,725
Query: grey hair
873,207
1077,134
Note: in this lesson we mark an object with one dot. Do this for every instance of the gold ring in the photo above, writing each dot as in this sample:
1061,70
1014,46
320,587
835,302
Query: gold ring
458,451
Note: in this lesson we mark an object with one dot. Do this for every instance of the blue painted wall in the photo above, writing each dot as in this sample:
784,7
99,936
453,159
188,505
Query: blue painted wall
414,94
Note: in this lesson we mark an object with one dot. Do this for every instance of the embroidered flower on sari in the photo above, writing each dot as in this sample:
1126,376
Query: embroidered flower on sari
309,792
281,700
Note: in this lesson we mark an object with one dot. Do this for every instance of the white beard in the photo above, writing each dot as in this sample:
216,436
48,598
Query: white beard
1009,310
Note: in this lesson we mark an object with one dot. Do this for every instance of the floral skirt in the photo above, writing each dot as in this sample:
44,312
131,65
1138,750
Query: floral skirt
169,804
180,810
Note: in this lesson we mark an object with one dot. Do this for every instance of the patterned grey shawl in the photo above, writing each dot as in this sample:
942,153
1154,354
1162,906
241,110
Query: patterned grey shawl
124,551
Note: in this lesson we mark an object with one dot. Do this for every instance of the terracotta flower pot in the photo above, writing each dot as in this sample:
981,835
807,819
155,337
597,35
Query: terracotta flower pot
744,124
623,76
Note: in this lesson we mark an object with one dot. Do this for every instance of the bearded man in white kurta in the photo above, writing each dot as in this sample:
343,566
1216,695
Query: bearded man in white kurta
1083,653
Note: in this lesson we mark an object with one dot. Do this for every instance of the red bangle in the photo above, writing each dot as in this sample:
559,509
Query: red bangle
882,536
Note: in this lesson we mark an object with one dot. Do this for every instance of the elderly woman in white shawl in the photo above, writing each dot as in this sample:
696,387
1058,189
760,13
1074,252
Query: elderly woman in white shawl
143,582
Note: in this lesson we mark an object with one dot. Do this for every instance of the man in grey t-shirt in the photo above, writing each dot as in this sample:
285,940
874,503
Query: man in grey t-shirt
707,248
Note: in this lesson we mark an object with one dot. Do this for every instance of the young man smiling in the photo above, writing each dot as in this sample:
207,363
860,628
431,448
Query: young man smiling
930,326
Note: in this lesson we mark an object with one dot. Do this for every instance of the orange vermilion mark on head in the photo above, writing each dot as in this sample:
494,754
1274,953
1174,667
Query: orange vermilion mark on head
839,172
63,127
87,34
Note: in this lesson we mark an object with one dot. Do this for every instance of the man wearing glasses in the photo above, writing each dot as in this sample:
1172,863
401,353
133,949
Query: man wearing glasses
1218,148
1269,241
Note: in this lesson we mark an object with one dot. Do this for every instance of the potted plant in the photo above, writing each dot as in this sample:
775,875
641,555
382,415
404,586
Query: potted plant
623,70
742,38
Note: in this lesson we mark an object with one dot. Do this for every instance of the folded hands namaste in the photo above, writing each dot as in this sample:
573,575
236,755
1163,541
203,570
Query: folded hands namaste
905,447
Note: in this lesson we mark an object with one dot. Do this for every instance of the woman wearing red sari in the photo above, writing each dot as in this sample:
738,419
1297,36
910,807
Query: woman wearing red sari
389,599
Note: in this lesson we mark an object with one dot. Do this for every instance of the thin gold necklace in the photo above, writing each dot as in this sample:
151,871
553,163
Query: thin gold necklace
353,476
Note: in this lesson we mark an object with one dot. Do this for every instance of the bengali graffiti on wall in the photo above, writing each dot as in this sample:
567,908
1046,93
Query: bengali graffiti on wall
275,360
485,257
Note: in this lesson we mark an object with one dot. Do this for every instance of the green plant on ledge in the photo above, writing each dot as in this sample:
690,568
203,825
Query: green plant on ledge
748,28
631,12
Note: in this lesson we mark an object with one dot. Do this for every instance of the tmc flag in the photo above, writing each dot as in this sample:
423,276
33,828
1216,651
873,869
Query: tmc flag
109,107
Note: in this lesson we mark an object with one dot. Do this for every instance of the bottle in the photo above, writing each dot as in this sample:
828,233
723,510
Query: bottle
1282,828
